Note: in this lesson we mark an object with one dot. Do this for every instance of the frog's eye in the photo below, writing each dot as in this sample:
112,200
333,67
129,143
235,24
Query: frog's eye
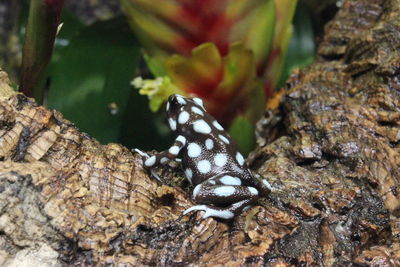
175,102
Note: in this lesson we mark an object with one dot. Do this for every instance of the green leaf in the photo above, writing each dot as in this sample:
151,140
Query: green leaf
243,132
301,50
260,28
90,83
283,30
142,128
155,65
239,70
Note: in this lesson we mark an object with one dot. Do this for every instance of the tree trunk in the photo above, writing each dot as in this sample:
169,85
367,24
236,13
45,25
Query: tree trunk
330,150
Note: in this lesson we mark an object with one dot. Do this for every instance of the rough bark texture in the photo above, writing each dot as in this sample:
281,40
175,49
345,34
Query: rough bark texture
334,165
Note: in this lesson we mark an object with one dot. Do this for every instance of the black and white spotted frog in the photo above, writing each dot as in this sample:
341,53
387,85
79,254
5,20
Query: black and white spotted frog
224,185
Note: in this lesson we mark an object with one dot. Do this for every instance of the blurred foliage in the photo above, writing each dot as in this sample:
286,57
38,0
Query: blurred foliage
90,11
301,48
222,51
243,132
284,10
209,49
10,47
95,81
89,76
166,27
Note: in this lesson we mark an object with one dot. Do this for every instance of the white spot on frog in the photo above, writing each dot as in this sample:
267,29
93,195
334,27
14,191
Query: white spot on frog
181,100
174,150
223,138
202,127
183,117
172,124
220,159
239,158
198,101
181,139
204,166
224,191
193,150
150,161
229,180
252,190
218,126
209,144
197,111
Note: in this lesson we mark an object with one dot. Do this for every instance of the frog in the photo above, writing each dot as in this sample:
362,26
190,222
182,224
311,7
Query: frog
224,186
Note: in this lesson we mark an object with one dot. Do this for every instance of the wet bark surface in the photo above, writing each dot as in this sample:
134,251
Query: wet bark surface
330,150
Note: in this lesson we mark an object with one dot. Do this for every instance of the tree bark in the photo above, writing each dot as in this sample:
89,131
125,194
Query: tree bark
330,150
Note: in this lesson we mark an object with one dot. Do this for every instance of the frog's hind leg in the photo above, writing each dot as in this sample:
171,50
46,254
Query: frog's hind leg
237,197
223,213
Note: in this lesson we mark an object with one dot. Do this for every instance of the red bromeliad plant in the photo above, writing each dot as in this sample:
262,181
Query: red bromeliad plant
228,52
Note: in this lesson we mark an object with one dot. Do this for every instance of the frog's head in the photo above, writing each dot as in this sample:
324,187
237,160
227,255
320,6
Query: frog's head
181,111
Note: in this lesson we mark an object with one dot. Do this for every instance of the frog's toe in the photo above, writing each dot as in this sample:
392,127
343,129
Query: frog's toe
211,212
140,152
194,208
148,161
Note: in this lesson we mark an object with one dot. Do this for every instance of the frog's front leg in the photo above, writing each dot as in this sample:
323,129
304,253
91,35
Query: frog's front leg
164,157
217,192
